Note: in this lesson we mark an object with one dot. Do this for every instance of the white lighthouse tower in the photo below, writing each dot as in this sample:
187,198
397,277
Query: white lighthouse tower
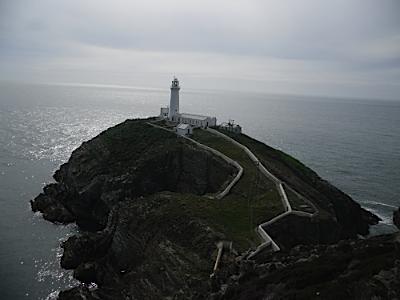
184,122
174,101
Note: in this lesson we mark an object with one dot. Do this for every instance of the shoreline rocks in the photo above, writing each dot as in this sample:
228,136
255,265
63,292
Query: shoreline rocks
396,218
140,240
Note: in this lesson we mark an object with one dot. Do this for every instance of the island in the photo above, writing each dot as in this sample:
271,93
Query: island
178,207
166,216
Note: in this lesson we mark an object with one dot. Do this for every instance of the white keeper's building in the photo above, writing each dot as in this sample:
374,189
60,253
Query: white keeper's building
184,129
172,112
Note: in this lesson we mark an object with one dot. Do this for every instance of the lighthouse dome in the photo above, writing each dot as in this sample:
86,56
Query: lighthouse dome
175,83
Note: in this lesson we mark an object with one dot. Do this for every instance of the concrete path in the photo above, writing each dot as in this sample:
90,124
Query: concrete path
268,242
230,161
261,229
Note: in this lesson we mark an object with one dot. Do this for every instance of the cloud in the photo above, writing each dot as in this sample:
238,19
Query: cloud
303,46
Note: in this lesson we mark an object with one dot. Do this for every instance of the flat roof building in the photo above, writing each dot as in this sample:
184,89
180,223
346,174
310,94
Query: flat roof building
184,129
196,120
231,127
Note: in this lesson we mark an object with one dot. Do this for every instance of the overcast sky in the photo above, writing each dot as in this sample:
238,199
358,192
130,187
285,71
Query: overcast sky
336,48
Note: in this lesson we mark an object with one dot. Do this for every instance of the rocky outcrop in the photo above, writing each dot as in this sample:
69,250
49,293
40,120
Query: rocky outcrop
131,191
50,202
295,230
77,293
351,269
124,189
350,217
396,218
151,248
130,160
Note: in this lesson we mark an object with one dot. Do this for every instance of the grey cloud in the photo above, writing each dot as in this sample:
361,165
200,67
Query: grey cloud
341,39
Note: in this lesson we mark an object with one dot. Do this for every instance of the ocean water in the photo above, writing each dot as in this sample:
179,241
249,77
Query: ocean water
355,144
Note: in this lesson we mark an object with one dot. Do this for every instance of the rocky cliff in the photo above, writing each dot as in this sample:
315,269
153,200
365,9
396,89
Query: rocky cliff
350,269
350,217
127,161
141,197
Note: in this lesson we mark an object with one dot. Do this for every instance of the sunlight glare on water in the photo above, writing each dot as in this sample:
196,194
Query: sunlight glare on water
354,144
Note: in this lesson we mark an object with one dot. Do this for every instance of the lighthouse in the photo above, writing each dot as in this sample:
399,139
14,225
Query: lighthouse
174,101
174,116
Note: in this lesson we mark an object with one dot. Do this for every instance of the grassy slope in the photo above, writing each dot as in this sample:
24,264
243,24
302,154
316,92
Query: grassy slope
253,200
287,168
296,201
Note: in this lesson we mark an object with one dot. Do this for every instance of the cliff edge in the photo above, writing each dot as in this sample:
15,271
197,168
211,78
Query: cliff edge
144,201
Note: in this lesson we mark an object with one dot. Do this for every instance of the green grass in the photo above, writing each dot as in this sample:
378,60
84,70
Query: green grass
285,167
269,155
296,201
164,123
253,200
231,215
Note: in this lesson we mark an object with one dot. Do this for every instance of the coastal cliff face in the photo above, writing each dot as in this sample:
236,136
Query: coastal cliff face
139,195
152,248
352,269
350,217
396,218
124,188
129,160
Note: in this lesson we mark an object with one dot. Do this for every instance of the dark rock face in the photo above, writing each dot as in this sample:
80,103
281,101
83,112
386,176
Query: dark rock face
396,218
351,269
150,249
77,293
138,242
350,217
130,160
126,190
296,230
50,202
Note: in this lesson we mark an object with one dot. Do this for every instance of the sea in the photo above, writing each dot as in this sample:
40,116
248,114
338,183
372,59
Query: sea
353,143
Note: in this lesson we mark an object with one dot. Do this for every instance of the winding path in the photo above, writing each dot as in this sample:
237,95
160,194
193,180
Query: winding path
230,161
268,242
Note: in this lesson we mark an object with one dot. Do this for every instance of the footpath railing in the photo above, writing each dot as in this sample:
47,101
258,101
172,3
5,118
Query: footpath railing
268,241
230,161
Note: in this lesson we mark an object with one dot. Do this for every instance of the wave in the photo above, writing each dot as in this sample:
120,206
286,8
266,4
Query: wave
386,218
374,203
